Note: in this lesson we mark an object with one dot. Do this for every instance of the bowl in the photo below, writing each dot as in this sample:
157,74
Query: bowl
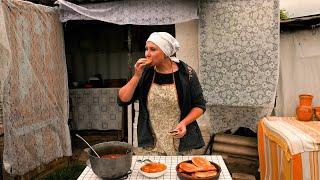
188,176
153,169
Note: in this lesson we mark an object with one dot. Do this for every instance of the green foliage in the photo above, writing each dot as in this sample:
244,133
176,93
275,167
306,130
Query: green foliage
284,14
71,172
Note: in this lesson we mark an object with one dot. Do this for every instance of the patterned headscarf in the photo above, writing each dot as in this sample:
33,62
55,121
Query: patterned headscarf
167,43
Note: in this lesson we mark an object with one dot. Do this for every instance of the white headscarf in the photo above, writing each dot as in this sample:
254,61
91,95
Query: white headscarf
167,43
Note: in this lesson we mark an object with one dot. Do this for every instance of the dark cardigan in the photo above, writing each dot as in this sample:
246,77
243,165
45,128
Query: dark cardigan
191,96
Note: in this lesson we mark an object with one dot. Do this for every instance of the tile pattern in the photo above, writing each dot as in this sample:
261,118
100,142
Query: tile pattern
96,108
170,161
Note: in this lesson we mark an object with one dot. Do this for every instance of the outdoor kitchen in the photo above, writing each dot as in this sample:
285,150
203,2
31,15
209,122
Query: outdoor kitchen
99,57
64,62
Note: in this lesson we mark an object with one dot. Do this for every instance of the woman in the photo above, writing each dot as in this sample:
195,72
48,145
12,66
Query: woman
170,99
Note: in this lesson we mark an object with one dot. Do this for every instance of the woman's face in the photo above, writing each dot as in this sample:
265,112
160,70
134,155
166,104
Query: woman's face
154,53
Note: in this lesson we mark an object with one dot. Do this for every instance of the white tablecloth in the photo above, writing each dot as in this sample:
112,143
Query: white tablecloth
170,161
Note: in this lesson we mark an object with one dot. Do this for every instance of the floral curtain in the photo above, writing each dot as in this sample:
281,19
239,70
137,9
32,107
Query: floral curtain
33,87
239,60
146,12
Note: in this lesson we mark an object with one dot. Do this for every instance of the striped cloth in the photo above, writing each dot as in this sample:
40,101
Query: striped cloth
289,149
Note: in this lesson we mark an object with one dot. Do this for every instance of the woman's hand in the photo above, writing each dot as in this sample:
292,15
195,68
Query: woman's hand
195,113
127,91
182,130
139,66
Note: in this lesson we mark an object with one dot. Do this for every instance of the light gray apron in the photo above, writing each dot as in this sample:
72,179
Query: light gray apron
164,115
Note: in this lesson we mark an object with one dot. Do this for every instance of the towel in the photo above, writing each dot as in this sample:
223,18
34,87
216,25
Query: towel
274,163
292,135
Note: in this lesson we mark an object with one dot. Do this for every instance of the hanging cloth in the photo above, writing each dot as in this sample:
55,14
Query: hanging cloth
239,60
299,69
146,12
34,89
239,50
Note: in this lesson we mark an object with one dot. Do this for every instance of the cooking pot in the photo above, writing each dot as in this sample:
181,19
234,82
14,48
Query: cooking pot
112,167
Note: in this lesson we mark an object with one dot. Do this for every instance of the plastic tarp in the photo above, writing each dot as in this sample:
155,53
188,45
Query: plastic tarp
34,87
146,12
299,69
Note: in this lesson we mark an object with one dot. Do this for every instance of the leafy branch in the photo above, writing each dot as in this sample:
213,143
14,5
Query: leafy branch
284,14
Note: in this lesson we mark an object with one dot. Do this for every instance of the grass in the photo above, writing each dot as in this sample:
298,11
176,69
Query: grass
71,172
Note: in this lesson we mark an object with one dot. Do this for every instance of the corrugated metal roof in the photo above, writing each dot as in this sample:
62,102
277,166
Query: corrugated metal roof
305,22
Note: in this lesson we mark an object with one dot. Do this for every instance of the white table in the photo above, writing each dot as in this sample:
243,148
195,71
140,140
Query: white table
170,161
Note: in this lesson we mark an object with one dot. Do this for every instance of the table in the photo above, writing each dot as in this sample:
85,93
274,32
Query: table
289,148
170,161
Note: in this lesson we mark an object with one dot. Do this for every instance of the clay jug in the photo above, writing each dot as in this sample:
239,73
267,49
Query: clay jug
317,113
304,113
305,99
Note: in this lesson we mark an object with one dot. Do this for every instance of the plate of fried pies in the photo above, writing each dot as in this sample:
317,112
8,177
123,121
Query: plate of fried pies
198,168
